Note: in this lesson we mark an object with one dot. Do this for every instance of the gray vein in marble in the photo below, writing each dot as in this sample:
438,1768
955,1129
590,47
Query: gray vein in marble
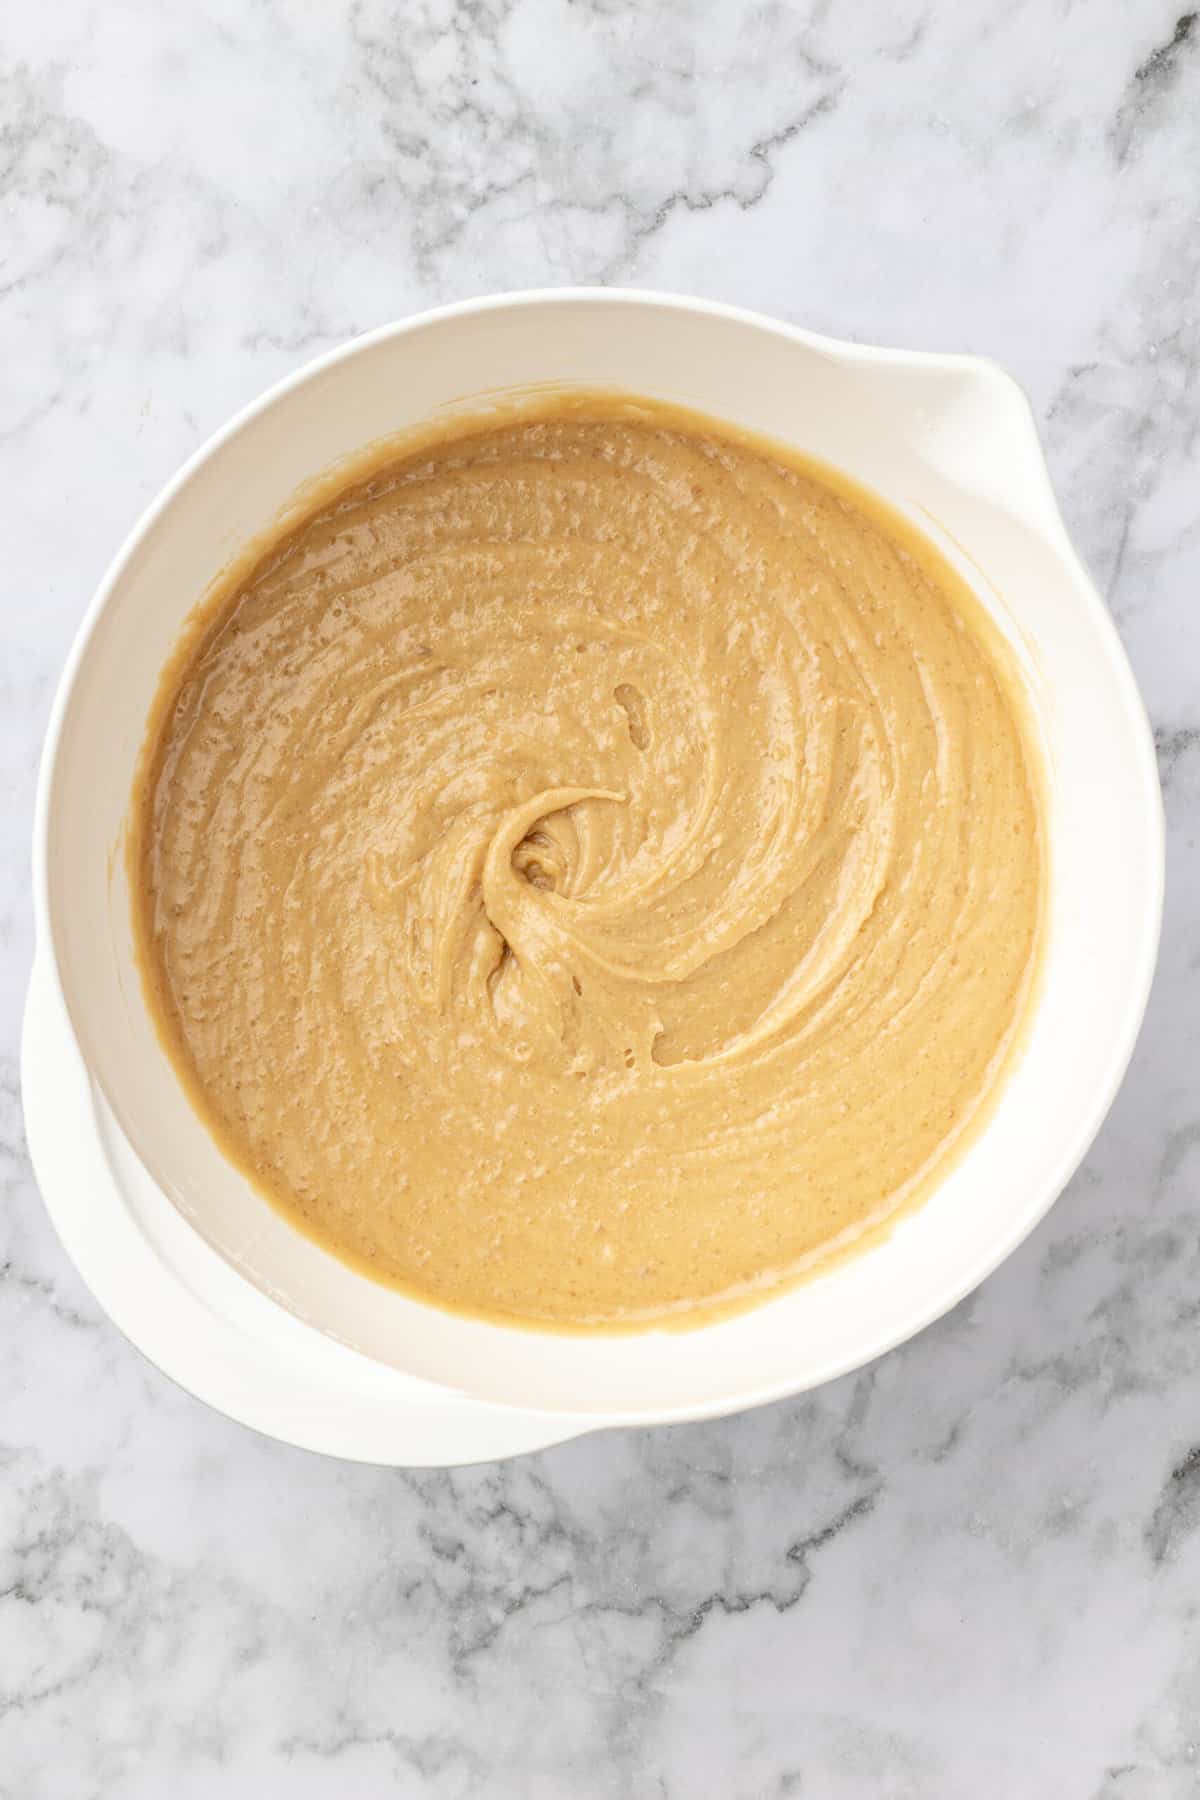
1172,746
502,146
1151,85
1178,1512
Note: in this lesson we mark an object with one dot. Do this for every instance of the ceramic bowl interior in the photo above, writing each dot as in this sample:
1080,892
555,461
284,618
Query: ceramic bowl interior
950,441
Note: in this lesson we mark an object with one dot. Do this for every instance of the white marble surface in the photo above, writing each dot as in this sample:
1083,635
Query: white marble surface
973,1569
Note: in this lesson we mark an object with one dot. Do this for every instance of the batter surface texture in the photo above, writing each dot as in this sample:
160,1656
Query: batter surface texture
592,868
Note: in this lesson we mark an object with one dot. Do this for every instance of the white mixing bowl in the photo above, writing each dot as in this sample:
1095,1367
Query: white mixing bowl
948,439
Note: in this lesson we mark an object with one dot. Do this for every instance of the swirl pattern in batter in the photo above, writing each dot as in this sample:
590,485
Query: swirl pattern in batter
592,868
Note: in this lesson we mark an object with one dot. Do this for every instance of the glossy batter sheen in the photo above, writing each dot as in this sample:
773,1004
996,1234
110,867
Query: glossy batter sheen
591,869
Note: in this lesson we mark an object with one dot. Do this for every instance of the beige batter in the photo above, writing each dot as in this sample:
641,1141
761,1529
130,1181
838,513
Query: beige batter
591,869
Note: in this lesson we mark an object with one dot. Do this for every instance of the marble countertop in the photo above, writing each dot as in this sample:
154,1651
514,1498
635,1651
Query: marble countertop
974,1568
